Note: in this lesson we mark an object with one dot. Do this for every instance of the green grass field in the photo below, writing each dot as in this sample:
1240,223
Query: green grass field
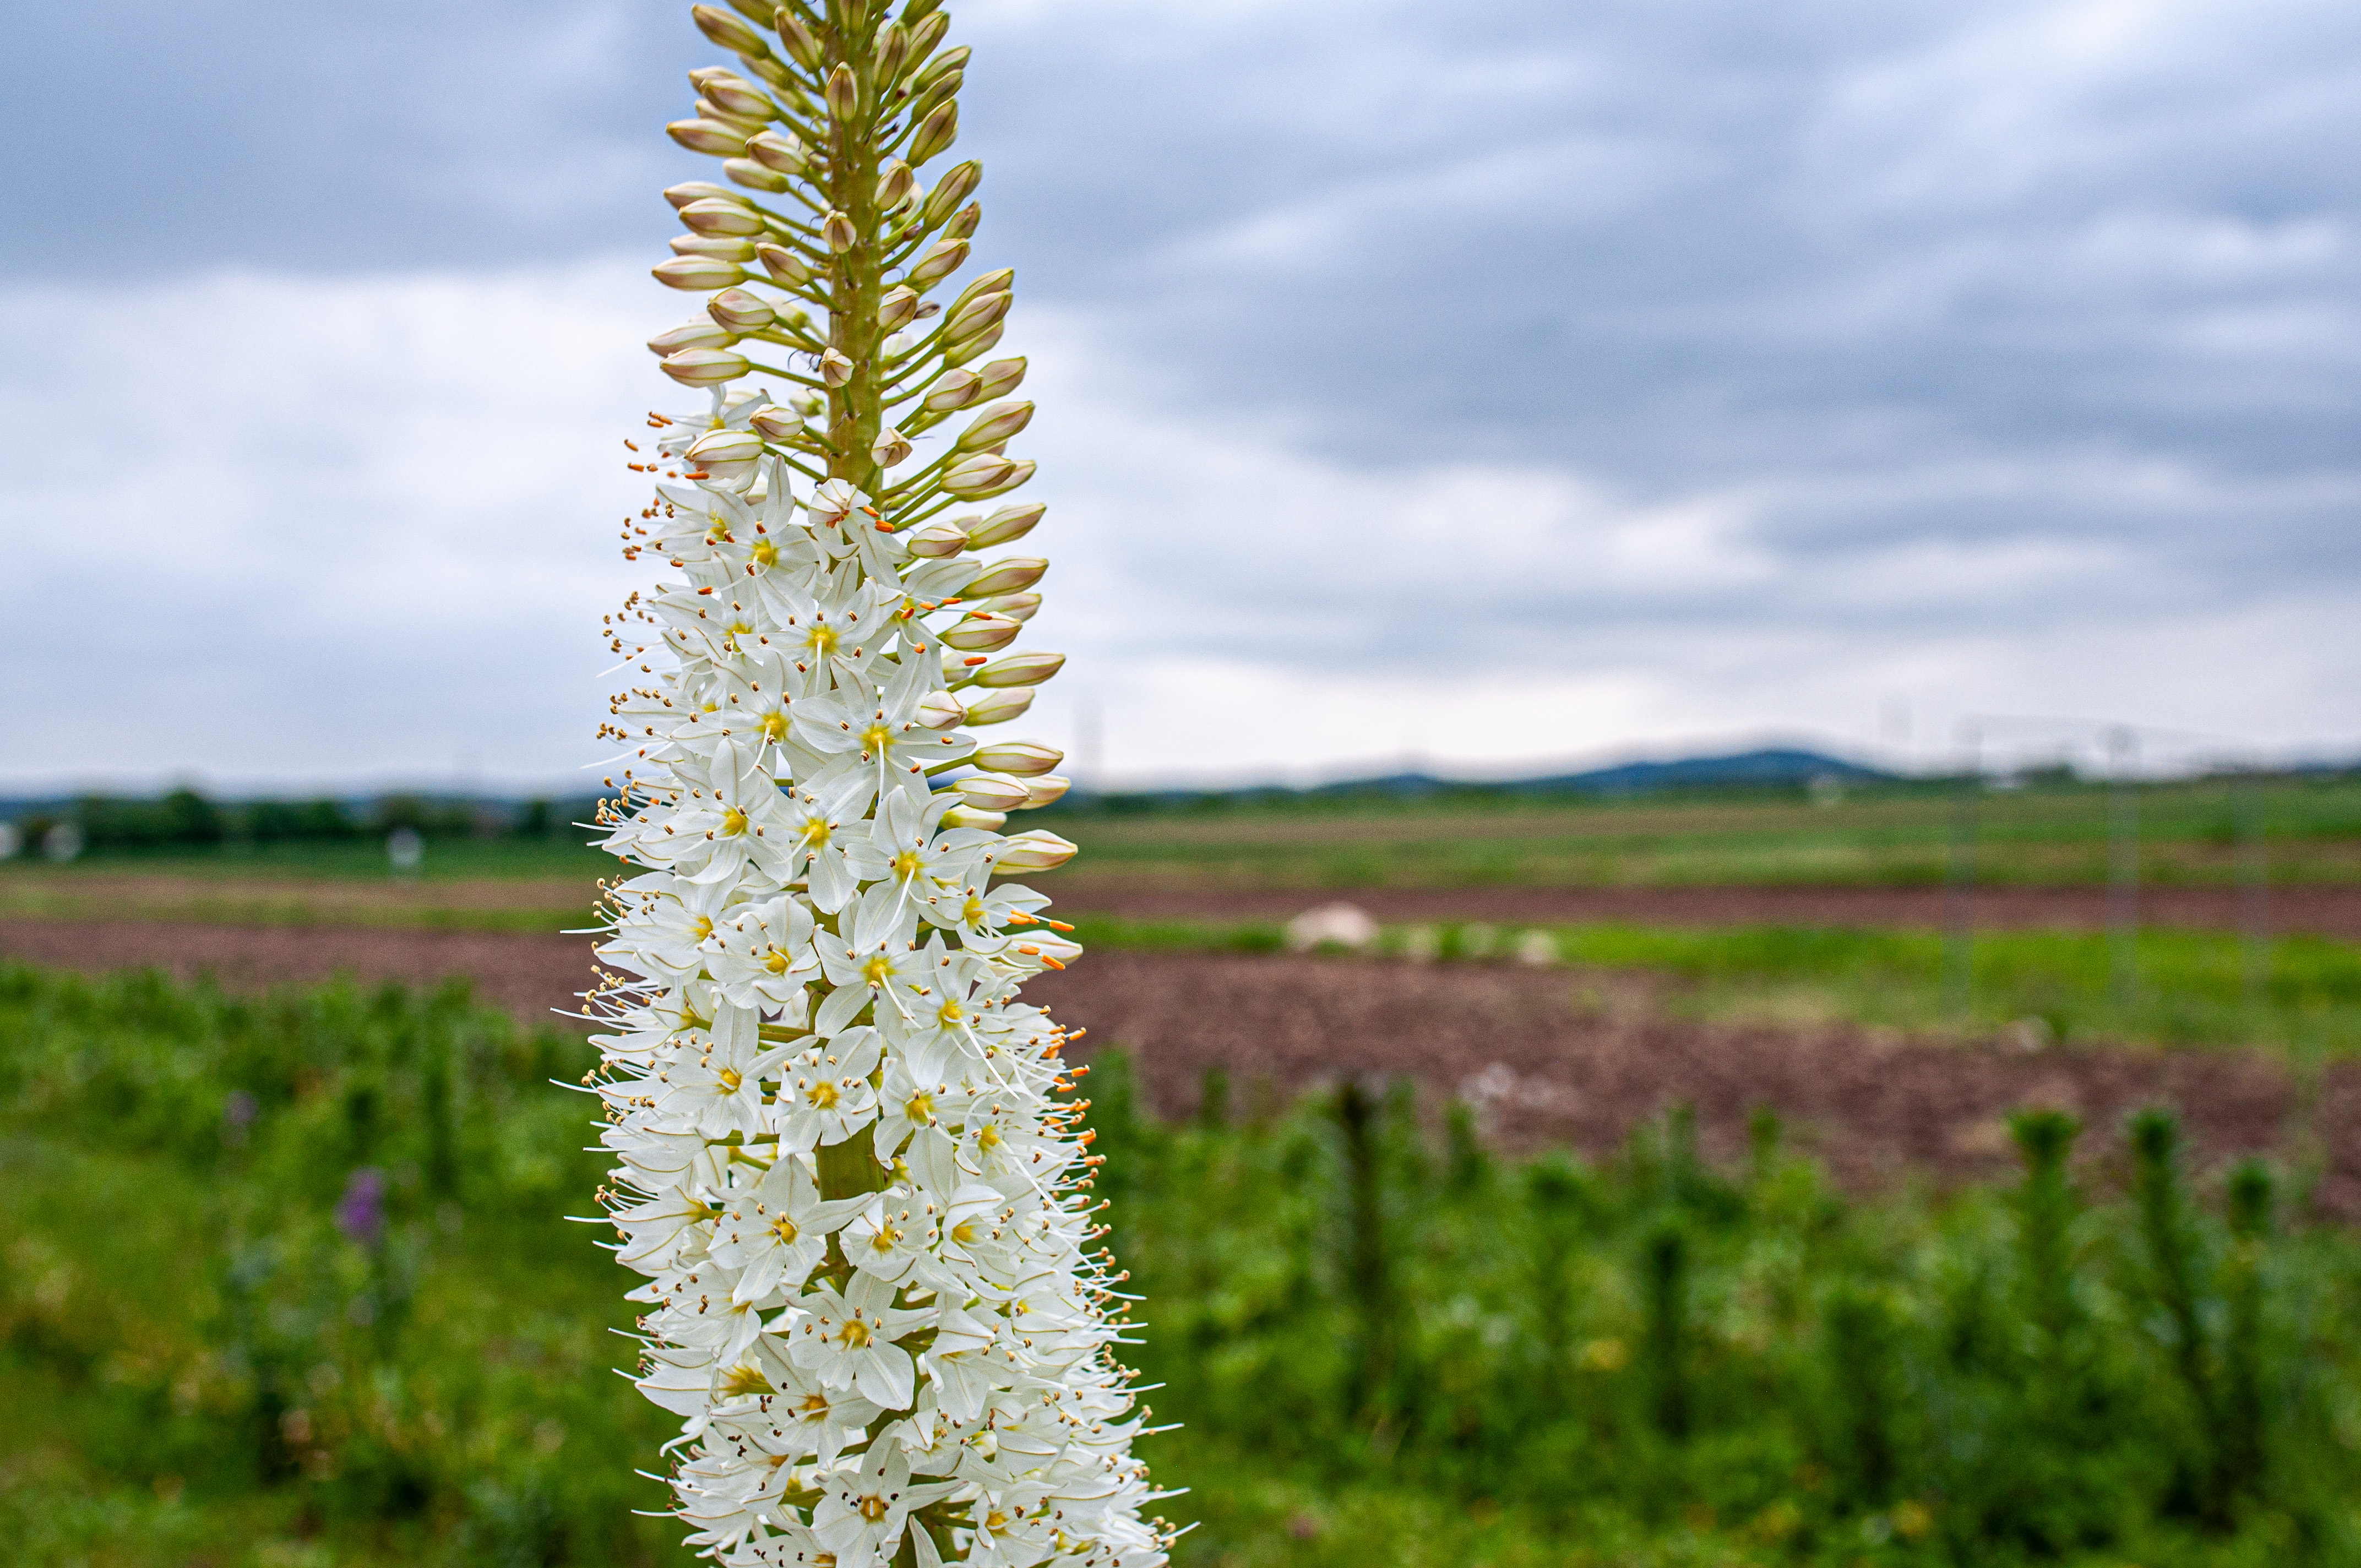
2192,834
1387,1347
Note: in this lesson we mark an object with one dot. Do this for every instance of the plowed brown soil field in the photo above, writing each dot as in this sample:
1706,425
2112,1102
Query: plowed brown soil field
1560,1055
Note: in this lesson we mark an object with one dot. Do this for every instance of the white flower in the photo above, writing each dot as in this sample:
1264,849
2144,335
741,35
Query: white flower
776,1230
847,1341
762,956
868,1261
825,1095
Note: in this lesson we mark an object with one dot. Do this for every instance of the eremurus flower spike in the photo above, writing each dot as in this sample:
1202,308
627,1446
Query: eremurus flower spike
863,1221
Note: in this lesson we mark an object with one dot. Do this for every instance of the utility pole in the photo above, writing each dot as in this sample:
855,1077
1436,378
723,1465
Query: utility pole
2123,865
1960,898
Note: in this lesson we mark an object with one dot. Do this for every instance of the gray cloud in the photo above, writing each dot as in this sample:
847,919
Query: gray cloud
1836,332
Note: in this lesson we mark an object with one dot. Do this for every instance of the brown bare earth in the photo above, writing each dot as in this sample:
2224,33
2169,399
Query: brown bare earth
1549,1056
2318,911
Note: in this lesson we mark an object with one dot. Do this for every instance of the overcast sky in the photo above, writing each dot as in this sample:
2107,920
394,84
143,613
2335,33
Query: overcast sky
1483,384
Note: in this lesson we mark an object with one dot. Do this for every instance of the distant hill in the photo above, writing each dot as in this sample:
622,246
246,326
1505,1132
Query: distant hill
1778,765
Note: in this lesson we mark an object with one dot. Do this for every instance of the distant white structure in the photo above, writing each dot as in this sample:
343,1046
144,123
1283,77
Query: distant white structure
406,848
1536,948
1341,924
11,840
62,842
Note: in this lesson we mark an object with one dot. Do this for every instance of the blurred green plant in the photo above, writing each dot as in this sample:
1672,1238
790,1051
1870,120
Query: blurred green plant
286,1283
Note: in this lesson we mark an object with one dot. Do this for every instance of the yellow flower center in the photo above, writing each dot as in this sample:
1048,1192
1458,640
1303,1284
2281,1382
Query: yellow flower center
988,1139
745,1379
995,1522
872,1509
878,969
855,1334
906,865
815,1404
920,1109
774,725
876,738
882,1241
730,1078
951,1013
733,822
700,928
765,553
965,1232
815,832
821,639
784,1229
777,963
820,1095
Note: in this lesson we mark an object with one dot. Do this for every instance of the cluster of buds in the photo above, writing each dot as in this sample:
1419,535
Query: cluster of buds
849,1163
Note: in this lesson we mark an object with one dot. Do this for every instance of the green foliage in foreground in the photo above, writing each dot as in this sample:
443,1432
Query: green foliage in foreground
285,1284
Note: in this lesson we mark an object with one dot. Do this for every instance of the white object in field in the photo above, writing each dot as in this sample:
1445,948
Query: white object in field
1343,925
62,843
1537,947
12,840
406,848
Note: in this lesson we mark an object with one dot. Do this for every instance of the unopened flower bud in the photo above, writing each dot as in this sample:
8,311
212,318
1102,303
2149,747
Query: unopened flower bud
734,95
949,192
993,425
842,93
889,448
728,31
834,368
936,133
777,423
698,272
998,378
777,150
895,185
942,65
1045,790
986,474
809,403
802,47
896,344
1015,607
729,455
936,539
695,335
722,216
989,794
979,632
1006,525
716,247
705,367
1006,576
753,176
964,222
783,265
940,710
1023,758
839,232
1000,706
900,304
893,51
689,191
972,316
1036,851
952,389
708,136
1020,670
942,258
742,310
970,816
707,109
